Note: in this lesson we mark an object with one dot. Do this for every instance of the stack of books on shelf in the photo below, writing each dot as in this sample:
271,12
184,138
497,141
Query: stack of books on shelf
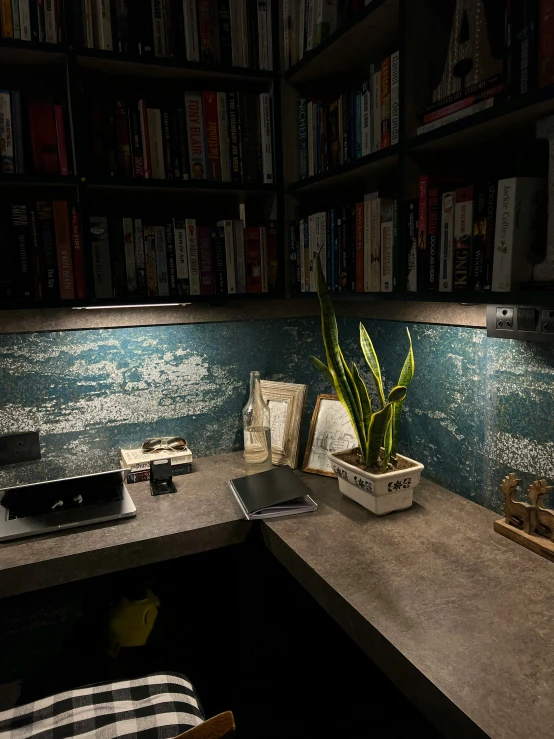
216,32
178,258
358,246
361,122
33,134
32,20
41,252
139,462
307,23
477,237
216,136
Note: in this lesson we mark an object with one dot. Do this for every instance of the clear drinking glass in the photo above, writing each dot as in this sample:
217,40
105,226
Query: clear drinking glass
257,429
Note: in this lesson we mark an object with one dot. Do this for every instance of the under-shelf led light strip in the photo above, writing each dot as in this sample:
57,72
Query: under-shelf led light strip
126,307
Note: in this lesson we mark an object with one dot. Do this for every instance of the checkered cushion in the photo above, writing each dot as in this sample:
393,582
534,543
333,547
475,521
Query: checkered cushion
159,706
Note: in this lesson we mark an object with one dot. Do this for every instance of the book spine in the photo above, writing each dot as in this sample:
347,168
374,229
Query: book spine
433,235
287,32
366,218
195,135
468,102
63,247
103,23
155,137
171,258
22,245
145,136
205,25
166,145
158,24
100,245
140,257
422,246
45,219
6,134
526,46
457,116
60,135
411,237
395,97
170,26
385,102
375,276
463,238
191,31
360,266
502,277
209,100
15,20
236,34
234,137
78,256
123,27
310,138
376,88
546,43
477,267
253,259
25,20
181,256
144,475
192,254
224,143
19,150
136,150
447,242
117,256
220,270
386,254
130,260
7,21
175,146
267,147
269,18
149,236
50,22
183,142
492,190
124,163
244,33
397,252
230,257
262,35
240,257
264,259
272,259
36,255
161,261
366,119
205,255
41,21
301,258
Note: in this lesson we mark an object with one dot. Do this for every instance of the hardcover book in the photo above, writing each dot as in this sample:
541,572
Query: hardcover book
129,251
240,258
155,138
220,268
63,247
101,262
195,134
433,235
161,261
6,133
151,259
229,251
386,102
181,256
213,153
171,257
277,492
205,257
224,143
253,257
193,259
140,257
446,264
463,238
386,246
21,233
412,207
78,256
44,140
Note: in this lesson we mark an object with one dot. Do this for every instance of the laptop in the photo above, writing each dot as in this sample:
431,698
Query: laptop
47,507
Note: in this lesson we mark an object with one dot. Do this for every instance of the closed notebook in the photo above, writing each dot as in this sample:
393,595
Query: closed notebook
277,492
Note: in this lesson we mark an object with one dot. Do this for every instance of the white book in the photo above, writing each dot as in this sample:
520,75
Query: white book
161,261
263,252
6,133
237,55
224,144
101,266
140,257
375,274
376,89
302,260
294,21
269,36
386,256
192,46
25,20
229,255
446,263
103,25
516,231
457,116
310,111
265,127
312,253
395,97
181,256
287,24
301,24
240,257
244,34
16,26
367,246
158,28
366,119
129,245
262,36
155,140
192,253
88,25
310,36
50,22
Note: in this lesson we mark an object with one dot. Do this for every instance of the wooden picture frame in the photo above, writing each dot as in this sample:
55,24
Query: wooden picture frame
286,403
325,436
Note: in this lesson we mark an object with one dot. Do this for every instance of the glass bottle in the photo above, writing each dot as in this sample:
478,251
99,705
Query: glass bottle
257,429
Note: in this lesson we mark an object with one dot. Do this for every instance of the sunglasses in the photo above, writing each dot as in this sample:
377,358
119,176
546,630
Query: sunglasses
168,443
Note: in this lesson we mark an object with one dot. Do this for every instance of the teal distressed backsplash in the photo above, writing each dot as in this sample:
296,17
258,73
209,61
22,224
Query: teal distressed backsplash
477,408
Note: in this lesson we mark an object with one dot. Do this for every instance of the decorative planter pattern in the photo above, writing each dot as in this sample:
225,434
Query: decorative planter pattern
380,494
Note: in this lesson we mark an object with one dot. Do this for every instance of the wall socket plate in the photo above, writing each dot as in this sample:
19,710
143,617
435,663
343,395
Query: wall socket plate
521,322
22,447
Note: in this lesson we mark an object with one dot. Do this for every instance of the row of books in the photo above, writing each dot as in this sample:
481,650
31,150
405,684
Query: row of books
179,258
306,23
33,134
32,20
221,32
358,246
477,237
41,252
359,123
216,136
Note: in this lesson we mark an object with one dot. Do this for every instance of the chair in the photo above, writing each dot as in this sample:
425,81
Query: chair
159,706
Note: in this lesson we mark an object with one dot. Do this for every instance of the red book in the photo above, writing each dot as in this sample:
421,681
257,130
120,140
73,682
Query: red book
253,255
205,24
60,134
546,43
63,248
44,139
78,257
385,103
122,138
272,258
211,125
205,257
359,247
143,116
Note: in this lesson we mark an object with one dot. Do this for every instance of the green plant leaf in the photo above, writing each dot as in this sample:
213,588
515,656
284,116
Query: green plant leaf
397,394
324,370
406,376
377,428
365,403
335,360
387,445
373,362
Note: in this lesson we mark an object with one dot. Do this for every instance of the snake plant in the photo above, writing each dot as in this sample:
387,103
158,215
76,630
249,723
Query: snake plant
376,429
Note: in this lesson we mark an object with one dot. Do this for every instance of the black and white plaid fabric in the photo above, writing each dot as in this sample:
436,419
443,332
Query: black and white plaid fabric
159,706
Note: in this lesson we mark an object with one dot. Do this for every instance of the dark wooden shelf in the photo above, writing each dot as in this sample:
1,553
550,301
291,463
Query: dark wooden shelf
31,179
123,183
373,30
14,51
524,297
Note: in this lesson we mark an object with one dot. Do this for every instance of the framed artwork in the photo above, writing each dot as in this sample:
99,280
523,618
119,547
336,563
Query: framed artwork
286,404
330,431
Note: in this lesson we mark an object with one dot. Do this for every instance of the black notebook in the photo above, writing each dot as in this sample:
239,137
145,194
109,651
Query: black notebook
277,492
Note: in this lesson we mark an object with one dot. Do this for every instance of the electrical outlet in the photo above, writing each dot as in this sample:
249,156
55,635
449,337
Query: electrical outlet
520,322
547,321
505,319
23,447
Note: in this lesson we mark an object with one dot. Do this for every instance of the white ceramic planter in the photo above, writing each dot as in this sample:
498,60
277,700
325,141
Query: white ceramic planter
380,494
